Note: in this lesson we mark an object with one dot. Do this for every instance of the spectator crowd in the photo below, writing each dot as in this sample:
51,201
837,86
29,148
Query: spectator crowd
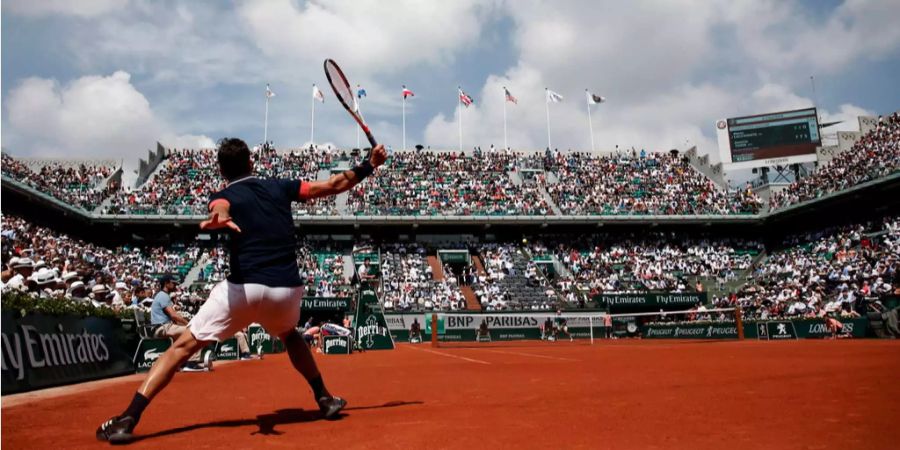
875,155
78,184
639,183
840,272
447,183
48,264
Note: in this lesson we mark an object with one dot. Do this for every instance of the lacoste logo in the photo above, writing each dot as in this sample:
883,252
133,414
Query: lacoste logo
226,348
151,354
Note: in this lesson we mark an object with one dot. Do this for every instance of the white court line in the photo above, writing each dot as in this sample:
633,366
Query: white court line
450,355
530,354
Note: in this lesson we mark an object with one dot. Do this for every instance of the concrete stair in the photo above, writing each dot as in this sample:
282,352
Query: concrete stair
437,272
476,260
549,200
472,303
194,273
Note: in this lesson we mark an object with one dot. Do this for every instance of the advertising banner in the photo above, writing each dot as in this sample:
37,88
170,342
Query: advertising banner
40,351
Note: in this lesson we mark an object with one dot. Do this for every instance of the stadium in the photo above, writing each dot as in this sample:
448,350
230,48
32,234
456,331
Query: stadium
740,291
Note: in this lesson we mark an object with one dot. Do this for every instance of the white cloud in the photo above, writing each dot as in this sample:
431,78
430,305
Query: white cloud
668,68
663,67
93,116
780,36
368,36
80,8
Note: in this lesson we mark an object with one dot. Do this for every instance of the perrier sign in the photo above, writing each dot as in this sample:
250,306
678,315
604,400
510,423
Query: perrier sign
369,325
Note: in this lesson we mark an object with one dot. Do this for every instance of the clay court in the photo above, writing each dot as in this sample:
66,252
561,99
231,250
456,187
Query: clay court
619,394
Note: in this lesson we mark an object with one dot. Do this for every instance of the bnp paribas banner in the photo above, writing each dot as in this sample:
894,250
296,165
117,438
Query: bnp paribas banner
369,323
503,327
650,301
41,351
399,325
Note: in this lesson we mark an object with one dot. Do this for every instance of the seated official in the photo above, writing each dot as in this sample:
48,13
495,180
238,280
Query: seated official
166,322
415,330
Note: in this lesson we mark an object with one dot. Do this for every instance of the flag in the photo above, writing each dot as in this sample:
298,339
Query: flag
360,92
509,97
317,94
553,97
594,99
464,98
407,92
269,93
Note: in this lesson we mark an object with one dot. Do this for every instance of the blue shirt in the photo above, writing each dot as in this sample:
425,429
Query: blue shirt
158,314
264,252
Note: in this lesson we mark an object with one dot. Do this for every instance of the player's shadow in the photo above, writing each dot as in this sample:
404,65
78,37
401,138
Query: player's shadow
266,423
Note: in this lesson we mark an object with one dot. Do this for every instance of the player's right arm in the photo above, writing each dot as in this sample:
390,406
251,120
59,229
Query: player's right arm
344,181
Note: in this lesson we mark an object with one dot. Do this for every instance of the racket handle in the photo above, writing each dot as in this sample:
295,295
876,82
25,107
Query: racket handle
370,137
372,141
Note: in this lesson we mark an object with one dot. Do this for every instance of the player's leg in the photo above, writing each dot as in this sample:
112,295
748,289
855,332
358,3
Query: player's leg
280,312
224,313
174,332
302,359
165,367
119,429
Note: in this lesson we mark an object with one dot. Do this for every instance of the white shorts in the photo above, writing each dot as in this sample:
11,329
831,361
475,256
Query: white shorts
231,307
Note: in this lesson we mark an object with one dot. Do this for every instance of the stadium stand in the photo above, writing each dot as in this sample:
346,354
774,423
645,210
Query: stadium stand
842,271
631,263
875,155
409,284
447,183
639,183
47,264
187,177
511,281
832,271
84,184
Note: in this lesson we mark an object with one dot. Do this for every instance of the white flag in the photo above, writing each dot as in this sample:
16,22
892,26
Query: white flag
553,97
594,99
269,93
318,95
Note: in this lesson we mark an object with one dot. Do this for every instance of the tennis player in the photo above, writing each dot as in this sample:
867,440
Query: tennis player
263,284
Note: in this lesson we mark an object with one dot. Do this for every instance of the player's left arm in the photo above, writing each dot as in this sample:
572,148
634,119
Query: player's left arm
219,216
345,181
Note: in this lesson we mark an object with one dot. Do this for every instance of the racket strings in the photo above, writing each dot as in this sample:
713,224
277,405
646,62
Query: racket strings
341,87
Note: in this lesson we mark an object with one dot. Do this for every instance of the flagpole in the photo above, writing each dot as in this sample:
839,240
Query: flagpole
505,140
547,102
266,122
590,122
312,125
404,121
459,107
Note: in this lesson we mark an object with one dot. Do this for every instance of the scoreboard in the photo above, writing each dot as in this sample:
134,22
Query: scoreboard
774,137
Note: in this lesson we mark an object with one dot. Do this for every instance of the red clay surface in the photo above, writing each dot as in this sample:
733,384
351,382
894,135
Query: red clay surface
619,394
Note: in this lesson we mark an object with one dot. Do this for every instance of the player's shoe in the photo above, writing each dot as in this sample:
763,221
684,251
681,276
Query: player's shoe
331,406
192,366
117,430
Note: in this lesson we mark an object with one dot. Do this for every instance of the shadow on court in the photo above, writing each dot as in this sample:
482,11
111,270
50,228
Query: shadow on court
266,423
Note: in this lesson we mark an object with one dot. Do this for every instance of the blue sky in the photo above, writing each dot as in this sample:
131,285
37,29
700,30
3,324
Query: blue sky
108,78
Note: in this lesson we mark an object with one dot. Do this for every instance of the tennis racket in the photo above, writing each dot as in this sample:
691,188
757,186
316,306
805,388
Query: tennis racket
344,94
